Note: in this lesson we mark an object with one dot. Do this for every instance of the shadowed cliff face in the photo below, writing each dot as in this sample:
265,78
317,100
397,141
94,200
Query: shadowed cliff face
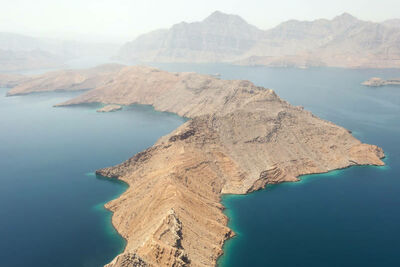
240,139
343,41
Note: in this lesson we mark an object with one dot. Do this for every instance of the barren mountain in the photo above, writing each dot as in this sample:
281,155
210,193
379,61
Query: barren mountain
24,60
344,41
240,139
392,23
20,52
219,37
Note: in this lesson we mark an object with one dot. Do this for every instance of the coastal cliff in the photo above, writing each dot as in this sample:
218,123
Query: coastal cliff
240,138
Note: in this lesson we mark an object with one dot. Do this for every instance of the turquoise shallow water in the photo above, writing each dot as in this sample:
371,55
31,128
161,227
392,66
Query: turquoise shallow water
51,204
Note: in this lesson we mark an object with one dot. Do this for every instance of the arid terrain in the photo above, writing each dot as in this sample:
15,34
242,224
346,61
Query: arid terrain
240,138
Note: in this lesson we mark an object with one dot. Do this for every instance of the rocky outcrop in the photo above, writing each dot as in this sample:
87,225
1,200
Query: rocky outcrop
240,138
109,108
377,82
128,260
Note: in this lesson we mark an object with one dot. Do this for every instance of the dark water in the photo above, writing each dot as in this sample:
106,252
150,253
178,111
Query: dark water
51,210
51,204
344,218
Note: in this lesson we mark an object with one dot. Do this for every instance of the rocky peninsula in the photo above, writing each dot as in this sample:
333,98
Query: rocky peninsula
377,82
65,80
240,138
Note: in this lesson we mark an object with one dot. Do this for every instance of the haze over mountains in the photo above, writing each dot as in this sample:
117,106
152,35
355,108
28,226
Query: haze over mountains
344,41
20,52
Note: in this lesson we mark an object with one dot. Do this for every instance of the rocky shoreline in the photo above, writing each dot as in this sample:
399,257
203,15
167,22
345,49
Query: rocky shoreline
240,138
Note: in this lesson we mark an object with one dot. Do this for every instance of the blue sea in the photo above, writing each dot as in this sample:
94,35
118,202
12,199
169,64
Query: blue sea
51,203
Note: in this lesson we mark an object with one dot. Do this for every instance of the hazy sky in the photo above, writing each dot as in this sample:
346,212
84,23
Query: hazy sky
122,20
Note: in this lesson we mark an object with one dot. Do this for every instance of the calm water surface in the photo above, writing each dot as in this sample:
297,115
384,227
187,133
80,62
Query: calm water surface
344,218
51,204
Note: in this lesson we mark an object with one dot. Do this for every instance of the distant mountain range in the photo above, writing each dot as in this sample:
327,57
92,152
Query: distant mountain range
20,52
344,41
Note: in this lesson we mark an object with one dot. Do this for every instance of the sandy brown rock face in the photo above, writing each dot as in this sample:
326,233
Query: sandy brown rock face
66,80
240,139
186,94
176,185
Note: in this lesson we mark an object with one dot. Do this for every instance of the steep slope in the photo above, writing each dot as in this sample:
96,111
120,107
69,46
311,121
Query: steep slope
219,37
344,41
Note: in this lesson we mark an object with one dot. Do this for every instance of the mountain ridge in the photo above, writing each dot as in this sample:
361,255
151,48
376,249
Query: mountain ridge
343,41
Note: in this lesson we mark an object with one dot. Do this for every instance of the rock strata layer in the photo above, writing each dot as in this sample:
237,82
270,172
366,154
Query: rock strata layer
240,138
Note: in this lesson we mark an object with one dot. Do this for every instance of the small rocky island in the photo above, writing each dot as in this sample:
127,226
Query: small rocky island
377,82
110,108
240,138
